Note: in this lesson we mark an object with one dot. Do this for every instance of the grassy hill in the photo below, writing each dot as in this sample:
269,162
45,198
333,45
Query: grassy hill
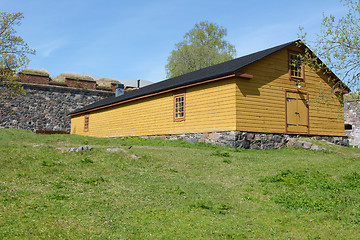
173,190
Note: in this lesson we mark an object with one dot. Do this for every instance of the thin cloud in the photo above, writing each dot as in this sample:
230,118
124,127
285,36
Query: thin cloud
46,49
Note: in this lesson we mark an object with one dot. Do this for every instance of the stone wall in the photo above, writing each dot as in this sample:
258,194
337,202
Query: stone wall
45,107
247,140
352,121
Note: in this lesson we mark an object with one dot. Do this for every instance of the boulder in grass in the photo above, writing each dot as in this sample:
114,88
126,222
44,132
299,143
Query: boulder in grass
81,148
315,147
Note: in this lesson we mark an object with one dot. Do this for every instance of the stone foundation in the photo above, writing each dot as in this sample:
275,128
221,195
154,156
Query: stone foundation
247,140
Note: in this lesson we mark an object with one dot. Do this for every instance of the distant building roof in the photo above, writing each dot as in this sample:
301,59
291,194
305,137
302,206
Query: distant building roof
134,82
127,82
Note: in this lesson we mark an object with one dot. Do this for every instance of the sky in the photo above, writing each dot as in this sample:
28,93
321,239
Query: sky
133,39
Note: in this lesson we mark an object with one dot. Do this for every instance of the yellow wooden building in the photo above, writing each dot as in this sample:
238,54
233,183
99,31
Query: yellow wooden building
264,92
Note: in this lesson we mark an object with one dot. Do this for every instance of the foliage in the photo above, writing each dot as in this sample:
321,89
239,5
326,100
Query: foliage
40,72
173,190
338,45
221,154
77,76
352,96
110,80
13,55
203,46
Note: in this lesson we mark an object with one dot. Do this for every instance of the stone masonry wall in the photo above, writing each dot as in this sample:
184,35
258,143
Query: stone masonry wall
247,140
352,117
45,107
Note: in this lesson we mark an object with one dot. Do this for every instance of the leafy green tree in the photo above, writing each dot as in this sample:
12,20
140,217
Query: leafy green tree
338,45
13,55
203,46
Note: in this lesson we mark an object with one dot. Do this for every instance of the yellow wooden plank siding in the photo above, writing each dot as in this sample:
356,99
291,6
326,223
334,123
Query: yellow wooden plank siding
260,101
209,107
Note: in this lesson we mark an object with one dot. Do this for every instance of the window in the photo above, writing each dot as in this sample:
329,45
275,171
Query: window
348,127
86,123
179,107
296,69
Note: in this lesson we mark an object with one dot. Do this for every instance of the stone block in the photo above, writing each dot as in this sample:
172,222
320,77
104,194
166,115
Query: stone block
257,137
307,145
315,147
291,142
242,144
255,145
191,140
278,139
250,136
268,145
298,144
269,137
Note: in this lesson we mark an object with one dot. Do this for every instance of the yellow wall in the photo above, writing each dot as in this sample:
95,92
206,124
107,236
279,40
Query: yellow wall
255,105
261,100
209,107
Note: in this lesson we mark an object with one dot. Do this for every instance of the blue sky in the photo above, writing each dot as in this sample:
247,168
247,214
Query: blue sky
133,39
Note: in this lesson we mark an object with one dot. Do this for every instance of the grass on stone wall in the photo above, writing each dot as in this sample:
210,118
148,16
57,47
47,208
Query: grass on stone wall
110,80
157,189
58,79
77,76
40,72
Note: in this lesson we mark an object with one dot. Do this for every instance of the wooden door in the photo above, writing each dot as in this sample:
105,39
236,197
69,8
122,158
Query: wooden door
297,112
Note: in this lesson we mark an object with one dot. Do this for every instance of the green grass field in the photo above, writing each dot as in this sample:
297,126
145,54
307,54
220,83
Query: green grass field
173,190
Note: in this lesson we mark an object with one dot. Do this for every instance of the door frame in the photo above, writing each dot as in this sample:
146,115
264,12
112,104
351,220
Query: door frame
307,98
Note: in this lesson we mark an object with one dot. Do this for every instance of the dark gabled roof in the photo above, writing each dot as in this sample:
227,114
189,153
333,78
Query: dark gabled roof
215,71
